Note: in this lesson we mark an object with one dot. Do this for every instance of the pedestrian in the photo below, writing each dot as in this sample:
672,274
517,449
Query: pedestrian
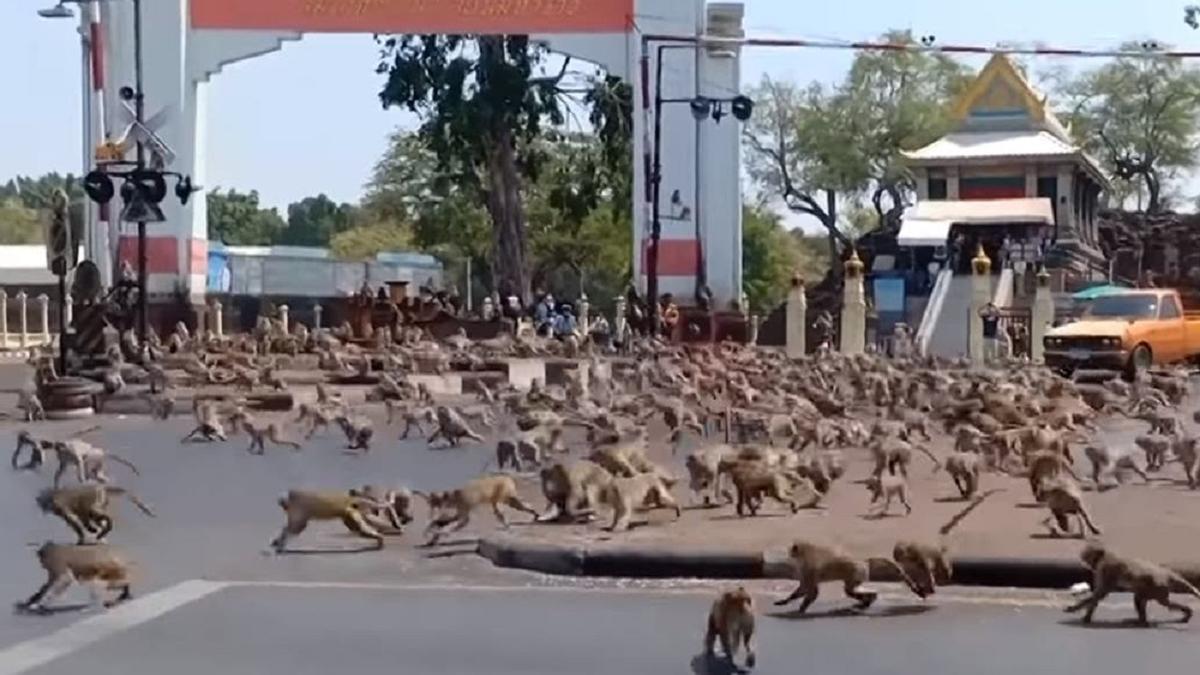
990,316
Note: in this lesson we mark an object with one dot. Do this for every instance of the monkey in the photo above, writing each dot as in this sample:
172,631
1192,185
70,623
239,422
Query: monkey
272,432
1155,446
620,460
414,417
815,564
703,467
506,454
29,403
895,453
888,486
1064,498
354,510
731,620
98,565
1147,581
1162,424
358,432
209,425
1186,454
452,427
963,468
626,494
400,500
1104,458
157,378
318,416
162,405
928,564
453,507
84,508
1044,466
87,459
754,480
572,491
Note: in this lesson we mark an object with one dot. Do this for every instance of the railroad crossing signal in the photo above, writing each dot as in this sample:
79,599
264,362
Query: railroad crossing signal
145,132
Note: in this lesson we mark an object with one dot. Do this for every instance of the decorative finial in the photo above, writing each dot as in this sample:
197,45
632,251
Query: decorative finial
854,265
981,263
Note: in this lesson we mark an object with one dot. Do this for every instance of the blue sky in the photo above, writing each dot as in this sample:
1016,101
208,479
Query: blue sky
307,120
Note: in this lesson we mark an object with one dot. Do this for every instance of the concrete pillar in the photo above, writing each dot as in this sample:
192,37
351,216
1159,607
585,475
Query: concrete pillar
755,323
922,176
796,319
44,308
23,318
952,182
619,320
218,319
69,310
1031,178
488,312
317,311
3,319
284,318
1041,317
981,295
585,310
854,307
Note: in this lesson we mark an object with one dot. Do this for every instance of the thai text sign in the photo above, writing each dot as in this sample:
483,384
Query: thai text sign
416,16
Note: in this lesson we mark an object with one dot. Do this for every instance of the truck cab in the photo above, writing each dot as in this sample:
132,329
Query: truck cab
1127,331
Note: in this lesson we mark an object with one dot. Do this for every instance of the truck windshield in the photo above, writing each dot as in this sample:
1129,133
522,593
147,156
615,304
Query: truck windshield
1125,306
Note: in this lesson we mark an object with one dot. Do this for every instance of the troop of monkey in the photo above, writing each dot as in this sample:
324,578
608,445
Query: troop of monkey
786,423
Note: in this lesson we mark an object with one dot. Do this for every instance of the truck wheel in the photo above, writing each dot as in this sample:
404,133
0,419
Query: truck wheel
1139,361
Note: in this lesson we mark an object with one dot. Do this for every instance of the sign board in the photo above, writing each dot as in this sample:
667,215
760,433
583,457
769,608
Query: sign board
416,16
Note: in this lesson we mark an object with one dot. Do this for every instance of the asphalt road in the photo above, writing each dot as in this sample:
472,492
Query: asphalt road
216,508
467,631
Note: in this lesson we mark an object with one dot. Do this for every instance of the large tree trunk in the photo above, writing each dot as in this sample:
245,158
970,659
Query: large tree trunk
509,247
1153,191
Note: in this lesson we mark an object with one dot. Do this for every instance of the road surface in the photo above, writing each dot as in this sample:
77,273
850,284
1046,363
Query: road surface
317,630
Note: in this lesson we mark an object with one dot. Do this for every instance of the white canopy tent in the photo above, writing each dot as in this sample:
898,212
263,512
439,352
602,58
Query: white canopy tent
929,222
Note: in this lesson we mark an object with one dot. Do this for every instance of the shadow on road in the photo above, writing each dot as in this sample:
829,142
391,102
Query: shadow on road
710,664
850,612
328,551
1126,624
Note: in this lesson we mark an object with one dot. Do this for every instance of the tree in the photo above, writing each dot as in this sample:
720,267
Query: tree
313,221
1138,115
235,218
481,108
769,258
364,241
19,224
815,145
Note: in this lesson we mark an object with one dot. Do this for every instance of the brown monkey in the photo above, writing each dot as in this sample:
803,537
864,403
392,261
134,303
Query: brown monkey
353,510
400,500
454,507
417,417
98,565
1186,454
84,508
928,564
29,403
888,486
572,491
625,495
963,468
815,564
87,459
358,432
731,620
1046,466
1155,446
752,481
703,467
1105,459
621,460
452,427
1064,498
259,434
893,453
1146,580
318,416
208,424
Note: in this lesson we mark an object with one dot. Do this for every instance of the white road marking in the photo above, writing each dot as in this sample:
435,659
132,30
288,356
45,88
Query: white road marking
30,654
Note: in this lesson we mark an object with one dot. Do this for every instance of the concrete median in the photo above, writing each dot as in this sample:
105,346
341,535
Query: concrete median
659,562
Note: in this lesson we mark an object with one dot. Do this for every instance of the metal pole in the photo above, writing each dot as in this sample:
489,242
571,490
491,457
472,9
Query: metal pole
656,190
140,108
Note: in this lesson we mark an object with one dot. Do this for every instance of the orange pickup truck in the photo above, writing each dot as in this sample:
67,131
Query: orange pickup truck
1128,331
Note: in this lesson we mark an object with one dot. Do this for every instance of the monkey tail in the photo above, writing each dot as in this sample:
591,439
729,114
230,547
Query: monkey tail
1186,585
88,430
958,517
937,463
121,460
891,564
114,490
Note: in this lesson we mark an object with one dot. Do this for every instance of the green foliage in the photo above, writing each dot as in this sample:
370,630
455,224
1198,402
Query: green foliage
846,140
769,258
19,224
236,218
362,242
1138,116
313,221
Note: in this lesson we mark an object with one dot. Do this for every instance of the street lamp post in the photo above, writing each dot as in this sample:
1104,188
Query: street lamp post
702,107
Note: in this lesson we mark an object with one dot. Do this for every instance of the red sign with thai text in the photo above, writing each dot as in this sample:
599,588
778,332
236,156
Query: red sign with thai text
416,16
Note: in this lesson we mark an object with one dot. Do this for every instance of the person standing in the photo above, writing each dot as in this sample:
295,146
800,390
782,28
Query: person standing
990,316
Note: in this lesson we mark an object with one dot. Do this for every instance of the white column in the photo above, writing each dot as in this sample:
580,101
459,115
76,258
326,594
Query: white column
218,319
44,307
755,323
619,320
317,311
23,309
1042,316
3,319
797,323
69,310
854,308
1031,178
284,318
981,295
585,310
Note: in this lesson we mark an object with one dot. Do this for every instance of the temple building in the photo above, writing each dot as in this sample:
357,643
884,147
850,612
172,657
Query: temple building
1007,177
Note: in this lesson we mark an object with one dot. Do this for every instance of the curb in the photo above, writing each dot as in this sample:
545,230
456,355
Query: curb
654,562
